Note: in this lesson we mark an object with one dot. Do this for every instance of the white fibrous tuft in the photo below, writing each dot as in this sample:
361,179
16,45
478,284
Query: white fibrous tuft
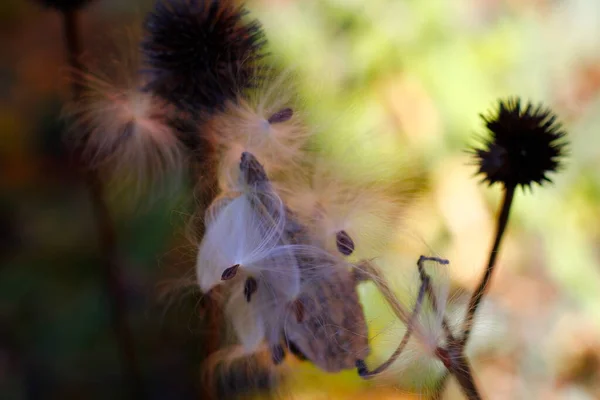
260,318
245,231
266,122
246,319
352,215
122,129
245,248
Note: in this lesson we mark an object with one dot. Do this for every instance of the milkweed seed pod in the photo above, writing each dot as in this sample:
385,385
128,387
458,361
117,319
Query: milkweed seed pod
330,329
245,248
292,293
246,231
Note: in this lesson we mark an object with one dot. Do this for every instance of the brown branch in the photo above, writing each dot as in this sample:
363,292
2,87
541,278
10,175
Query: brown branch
453,356
462,370
105,229
458,365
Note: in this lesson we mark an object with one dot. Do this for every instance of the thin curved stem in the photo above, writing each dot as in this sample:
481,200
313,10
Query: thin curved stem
481,290
409,328
452,356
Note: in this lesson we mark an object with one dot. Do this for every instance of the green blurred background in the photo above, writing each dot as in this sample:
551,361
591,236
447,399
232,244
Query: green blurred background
407,79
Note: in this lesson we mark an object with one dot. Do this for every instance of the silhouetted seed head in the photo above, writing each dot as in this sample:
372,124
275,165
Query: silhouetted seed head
344,242
64,5
200,53
230,272
250,288
525,145
281,116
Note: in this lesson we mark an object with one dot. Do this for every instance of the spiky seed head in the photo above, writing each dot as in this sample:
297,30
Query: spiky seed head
64,5
201,53
526,144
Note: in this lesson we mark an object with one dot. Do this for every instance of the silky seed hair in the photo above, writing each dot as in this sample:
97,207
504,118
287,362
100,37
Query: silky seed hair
417,358
275,311
355,215
121,130
267,122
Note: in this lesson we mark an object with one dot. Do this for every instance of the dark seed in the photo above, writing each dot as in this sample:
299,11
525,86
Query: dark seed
277,354
230,272
281,116
362,368
296,351
298,308
249,288
344,243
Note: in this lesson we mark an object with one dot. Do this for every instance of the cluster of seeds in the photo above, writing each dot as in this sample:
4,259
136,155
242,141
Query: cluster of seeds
286,235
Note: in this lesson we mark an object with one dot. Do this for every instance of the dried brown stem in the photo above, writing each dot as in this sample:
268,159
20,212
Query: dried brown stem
452,356
409,328
481,290
434,304
365,271
458,365
105,231
464,377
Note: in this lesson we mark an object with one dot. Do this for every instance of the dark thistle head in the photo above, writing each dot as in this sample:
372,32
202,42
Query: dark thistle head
526,144
64,5
200,53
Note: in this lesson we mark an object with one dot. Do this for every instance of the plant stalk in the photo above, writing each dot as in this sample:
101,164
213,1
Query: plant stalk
481,290
105,229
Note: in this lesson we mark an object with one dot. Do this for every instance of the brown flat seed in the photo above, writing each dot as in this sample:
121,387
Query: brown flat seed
298,308
277,354
281,116
249,288
344,242
230,272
